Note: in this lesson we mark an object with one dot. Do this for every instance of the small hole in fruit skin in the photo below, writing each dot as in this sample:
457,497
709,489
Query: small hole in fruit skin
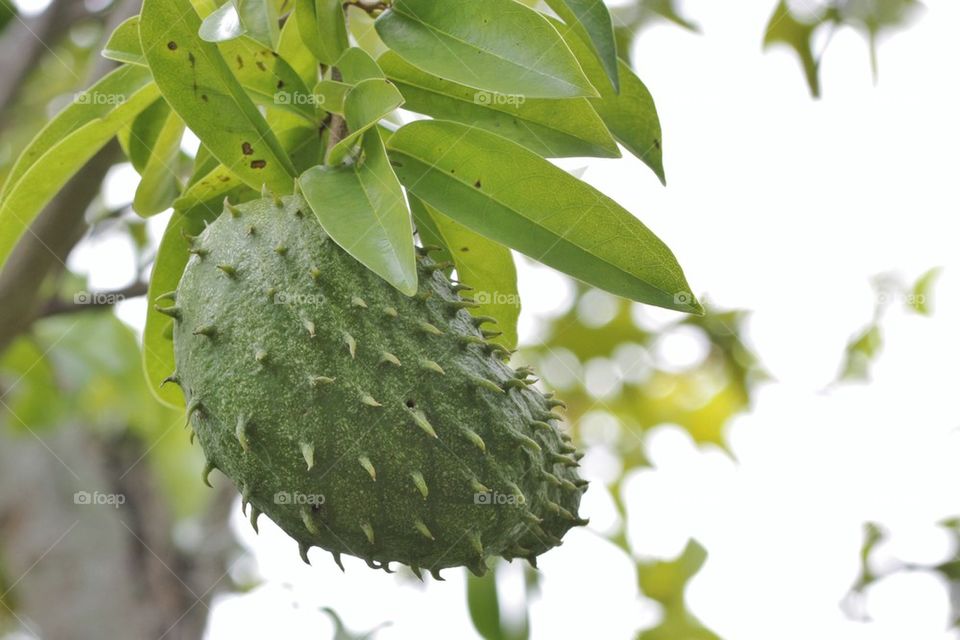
411,404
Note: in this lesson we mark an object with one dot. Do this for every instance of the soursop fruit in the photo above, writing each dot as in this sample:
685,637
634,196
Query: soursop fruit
358,419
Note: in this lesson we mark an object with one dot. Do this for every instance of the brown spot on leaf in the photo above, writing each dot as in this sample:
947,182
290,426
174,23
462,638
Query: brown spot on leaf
465,249
280,84
261,66
656,143
477,184
247,149
258,164
193,61
172,45
204,97
239,62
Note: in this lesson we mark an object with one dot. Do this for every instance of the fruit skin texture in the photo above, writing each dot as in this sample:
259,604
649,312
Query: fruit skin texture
358,419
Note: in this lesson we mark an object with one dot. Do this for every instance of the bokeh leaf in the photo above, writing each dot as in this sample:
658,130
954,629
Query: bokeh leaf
66,144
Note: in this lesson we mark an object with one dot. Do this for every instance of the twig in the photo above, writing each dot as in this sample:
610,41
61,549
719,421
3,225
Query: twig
91,301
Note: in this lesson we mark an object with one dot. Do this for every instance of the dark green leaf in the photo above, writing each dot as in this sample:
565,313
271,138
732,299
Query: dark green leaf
630,115
551,128
512,196
493,45
591,20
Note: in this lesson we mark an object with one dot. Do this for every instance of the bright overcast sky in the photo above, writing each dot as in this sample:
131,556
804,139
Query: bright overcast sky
785,206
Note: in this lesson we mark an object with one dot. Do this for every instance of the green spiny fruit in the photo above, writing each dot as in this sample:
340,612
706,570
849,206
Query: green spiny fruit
361,420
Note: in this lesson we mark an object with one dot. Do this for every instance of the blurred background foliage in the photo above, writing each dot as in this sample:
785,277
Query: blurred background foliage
79,367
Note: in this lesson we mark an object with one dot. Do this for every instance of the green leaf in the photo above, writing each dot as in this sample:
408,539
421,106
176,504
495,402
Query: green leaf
211,187
551,128
631,115
784,28
268,78
159,184
920,298
323,28
356,65
260,19
66,144
362,208
294,51
124,43
172,257
485,265
591,20
494,45
198,85
510,195
223,24
141,136
332,94
364,106
235,18
484,606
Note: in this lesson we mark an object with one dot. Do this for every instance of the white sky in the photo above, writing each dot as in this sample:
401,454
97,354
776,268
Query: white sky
781,205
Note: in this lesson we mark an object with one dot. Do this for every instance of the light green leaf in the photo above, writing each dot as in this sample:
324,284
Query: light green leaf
551,128
630,115
211,187
260,19
223,24
510,195
294,51
268,78
124,43
66,144
198,85
332,94
494,45
485,265
159,184
591,20
362,208
323,28
363,108
141,135
172,257
356,64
